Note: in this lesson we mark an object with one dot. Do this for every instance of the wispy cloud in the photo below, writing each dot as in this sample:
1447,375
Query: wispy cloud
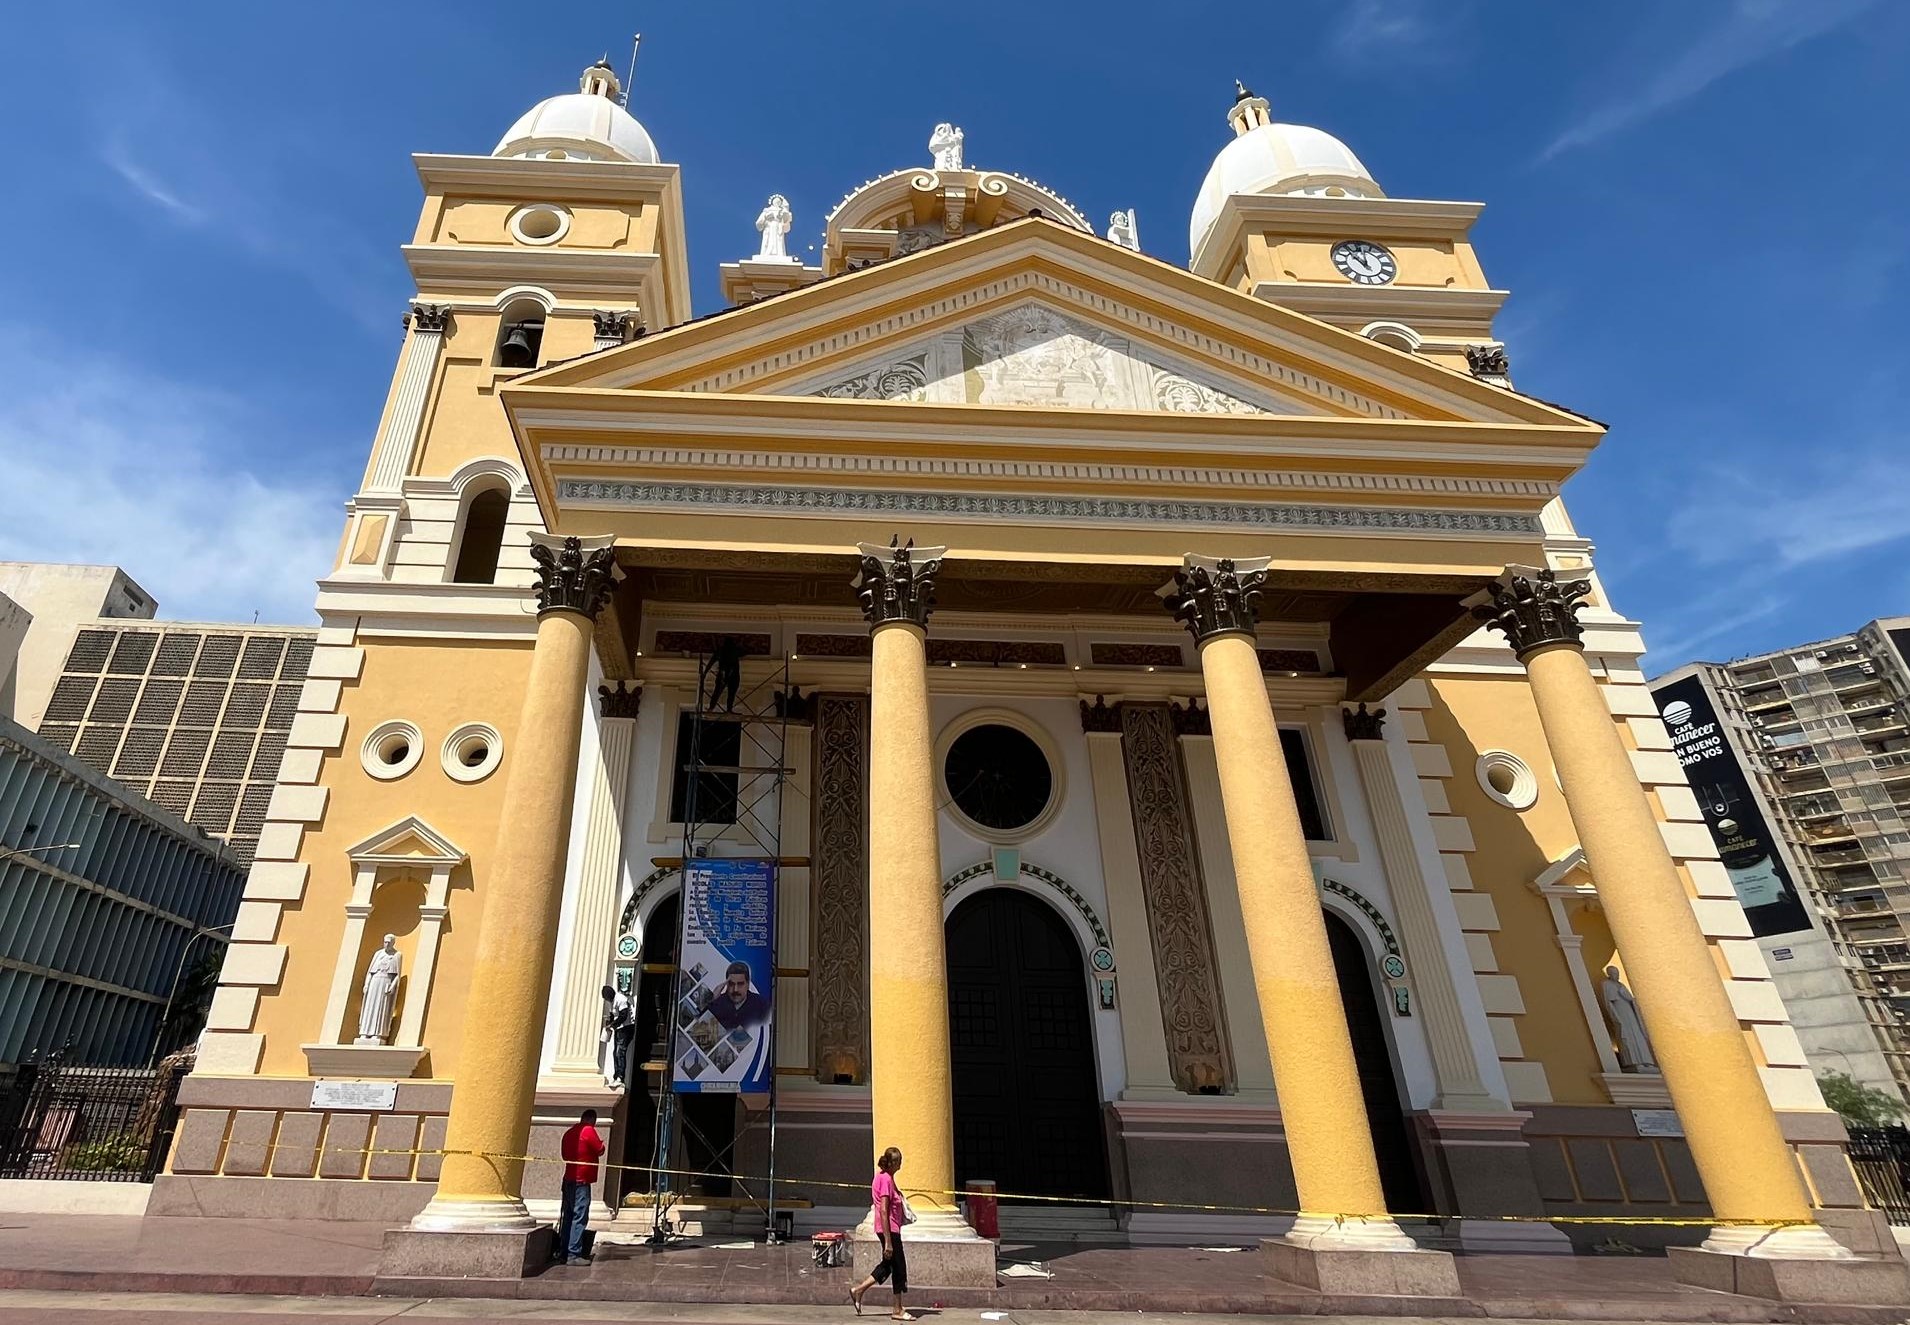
1374,31
1752,31
1679,649
1785,517
114,154
108,464
171,153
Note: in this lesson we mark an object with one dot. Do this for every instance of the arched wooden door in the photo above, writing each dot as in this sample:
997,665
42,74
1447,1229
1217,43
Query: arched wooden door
1027,1094
1379,1089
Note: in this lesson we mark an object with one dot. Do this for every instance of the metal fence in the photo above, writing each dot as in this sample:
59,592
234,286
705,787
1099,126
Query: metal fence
94,1124
1881,1156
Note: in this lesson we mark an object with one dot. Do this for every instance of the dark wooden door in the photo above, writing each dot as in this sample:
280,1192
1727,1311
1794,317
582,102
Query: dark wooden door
1392,1145
1027,1097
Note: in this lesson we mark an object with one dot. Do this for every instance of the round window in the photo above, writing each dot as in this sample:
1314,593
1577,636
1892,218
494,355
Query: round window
471,752
998,776
391,750
540,224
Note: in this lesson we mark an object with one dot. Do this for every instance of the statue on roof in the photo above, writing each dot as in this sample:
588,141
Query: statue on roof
773,223
1122,230
946,145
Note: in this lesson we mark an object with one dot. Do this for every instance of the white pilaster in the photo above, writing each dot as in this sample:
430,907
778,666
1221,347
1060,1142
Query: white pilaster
391,454
593,927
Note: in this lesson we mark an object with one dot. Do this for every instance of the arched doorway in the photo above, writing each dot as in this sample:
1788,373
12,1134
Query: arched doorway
1379,1089
1026,1093
706,1124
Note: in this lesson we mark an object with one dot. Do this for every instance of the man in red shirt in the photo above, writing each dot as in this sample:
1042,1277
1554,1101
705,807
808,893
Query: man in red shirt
581,1149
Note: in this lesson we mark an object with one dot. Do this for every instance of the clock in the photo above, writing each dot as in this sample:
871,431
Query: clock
1363,262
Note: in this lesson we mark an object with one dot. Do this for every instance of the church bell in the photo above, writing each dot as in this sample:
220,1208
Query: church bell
517,350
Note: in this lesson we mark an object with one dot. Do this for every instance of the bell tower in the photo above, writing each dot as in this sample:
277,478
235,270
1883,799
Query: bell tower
1289,214
568,237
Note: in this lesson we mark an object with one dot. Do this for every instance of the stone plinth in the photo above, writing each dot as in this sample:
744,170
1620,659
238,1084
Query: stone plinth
1861,1281
933,1262
1361,1273
420,1254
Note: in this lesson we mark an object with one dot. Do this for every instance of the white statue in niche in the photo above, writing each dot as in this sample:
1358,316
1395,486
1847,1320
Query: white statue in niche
773,223
946,145
380,994
1634,1046
1122,230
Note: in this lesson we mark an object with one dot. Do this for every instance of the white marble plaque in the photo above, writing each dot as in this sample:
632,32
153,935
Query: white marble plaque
1657,1122
358,1096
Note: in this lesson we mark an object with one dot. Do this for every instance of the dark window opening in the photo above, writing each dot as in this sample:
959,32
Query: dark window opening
483,537
711,741
1305,794
998,776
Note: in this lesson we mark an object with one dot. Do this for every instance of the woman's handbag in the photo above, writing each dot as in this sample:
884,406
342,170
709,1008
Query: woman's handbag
908,1211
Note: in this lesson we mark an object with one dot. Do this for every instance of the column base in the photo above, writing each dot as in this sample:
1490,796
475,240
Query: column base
477,1214
942,1252
1777,1277
1361,1257
415,1253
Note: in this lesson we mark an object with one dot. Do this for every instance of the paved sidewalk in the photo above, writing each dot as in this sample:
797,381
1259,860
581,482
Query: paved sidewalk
107,1254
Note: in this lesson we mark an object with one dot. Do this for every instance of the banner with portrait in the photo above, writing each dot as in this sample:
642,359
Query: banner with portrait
725,979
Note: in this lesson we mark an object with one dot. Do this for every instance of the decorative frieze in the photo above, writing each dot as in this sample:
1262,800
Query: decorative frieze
1217,596
1176,901
839,875
1533,607
832,646
1288,660
998,653
897,583
1042,509
702,642
573,576
1136,655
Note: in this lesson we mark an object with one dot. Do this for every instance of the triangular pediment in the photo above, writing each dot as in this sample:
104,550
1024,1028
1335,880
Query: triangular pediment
1036,315
1035,354
409,841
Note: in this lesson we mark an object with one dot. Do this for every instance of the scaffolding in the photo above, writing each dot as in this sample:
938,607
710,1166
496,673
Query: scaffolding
732,769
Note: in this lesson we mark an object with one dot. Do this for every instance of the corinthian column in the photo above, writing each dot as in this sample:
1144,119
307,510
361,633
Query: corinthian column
521,884
593,925
1343,1219
1747,1170
910,1073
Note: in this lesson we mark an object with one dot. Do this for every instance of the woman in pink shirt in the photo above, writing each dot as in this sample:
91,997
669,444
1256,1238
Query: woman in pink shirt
889,1213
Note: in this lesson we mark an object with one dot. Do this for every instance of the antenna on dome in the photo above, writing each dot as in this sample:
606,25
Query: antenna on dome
629,82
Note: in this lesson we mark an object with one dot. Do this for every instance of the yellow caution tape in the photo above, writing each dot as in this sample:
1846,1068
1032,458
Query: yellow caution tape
1649,1221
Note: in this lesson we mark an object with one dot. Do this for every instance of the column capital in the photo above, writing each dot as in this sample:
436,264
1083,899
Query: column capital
1191,718
1101,716
429,317
610,324
1216,596
897,582
573,574
1362,725
618,700
1533,607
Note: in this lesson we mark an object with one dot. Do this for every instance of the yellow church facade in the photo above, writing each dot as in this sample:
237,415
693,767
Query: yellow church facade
1210,784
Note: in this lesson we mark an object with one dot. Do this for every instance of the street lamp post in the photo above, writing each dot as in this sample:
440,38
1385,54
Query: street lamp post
10,853
159,1035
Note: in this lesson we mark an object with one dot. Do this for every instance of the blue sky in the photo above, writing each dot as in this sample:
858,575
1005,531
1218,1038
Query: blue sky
1702,210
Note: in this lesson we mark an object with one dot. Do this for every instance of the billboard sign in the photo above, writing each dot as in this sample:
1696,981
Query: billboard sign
725,979
1745,841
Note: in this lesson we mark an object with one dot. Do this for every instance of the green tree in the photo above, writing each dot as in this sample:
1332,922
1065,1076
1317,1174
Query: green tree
1857,1104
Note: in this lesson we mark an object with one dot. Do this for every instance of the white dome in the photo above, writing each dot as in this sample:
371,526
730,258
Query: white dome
584,126
1289,159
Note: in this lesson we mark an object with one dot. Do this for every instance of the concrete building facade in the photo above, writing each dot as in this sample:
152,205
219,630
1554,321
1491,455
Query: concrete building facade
1822,733
101,894
59,597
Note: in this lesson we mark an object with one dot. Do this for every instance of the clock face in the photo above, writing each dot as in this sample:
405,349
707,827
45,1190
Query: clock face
1363,262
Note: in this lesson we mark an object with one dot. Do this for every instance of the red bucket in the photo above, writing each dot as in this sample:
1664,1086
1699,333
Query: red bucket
983,1215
